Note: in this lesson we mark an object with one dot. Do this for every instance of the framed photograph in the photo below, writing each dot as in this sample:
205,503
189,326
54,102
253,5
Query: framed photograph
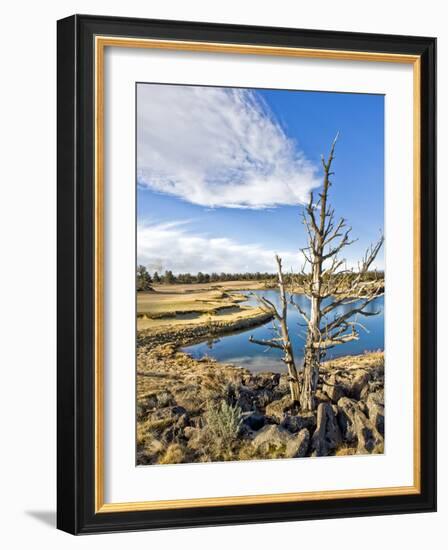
246,274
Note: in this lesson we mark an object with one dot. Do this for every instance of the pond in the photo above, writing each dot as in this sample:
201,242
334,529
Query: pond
235,348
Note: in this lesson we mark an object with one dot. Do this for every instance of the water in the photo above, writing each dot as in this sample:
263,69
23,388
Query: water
235,348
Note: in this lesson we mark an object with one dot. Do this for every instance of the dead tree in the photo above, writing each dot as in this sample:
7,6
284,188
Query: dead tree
282,341
329,285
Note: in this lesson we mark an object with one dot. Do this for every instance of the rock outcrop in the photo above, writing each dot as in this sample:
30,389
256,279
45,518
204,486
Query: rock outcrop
357,428
273,439
333,388
375,407
327,436
296,423
279,408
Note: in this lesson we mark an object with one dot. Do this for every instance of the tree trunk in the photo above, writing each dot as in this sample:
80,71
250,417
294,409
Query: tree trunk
310,379
312,348
289,354
289,361
312,354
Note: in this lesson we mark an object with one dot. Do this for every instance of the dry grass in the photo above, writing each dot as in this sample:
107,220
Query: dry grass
219,285
345,450
174,454
157,303
370,360
177,306
186,298
348,450
247,451
155,425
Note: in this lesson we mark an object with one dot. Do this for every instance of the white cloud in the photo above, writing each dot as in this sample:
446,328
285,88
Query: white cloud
171,246
217,147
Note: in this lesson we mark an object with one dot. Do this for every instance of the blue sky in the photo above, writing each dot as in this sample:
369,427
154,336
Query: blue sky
223,173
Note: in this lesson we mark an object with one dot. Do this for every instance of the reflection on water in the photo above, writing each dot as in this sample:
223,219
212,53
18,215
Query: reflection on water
236,348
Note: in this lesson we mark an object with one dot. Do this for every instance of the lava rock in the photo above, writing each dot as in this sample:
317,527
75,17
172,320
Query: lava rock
357,428
327,436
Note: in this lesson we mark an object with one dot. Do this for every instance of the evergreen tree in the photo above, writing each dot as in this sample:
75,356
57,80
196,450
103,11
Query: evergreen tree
143,279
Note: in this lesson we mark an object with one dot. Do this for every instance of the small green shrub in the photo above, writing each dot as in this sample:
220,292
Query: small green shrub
223,422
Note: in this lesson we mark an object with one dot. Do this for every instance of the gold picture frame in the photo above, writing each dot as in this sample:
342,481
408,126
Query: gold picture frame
101,40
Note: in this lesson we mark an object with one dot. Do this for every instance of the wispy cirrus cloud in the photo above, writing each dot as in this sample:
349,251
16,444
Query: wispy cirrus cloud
217,147
172,246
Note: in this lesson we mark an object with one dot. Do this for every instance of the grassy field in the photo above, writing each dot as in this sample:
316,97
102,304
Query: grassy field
194,304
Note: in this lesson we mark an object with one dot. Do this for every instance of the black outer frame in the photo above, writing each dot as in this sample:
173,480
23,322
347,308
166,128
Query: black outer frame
75,310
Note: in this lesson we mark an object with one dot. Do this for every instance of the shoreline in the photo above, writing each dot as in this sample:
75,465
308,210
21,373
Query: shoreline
189,325
190,334
201,309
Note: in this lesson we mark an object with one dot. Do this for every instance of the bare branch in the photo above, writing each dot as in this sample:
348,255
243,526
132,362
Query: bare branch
354,311
300,310
283,342
331,234
345,241
331,342
267,343
310,208
267,305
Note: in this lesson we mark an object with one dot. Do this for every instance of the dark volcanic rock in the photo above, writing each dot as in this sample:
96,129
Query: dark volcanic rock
297,423
327,436
255,421
245,399
357,383
272,437
375,408
297,447
275,440
357,428
333,388
278,408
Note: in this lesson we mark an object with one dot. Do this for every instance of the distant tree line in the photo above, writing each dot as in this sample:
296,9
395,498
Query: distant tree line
145,280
